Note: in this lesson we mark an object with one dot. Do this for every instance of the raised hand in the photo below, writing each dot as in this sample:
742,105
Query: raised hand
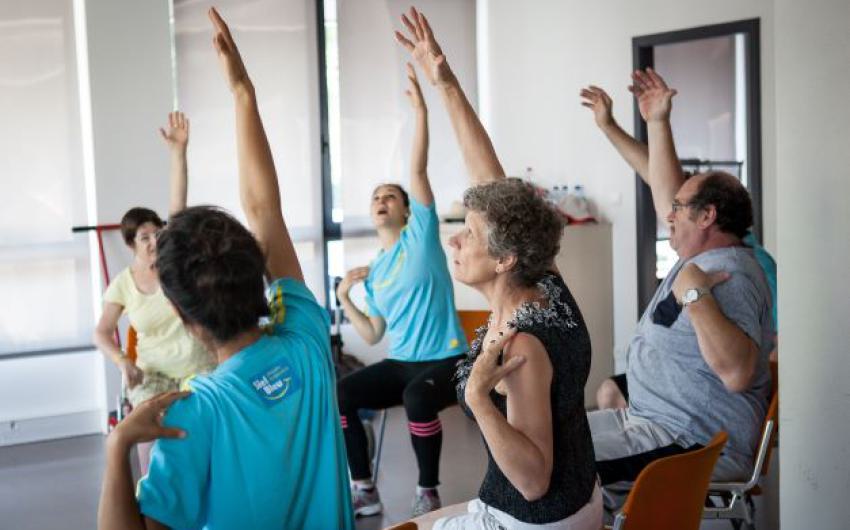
600,103
144,424
653,94
177,134
424,49
228,54
414,92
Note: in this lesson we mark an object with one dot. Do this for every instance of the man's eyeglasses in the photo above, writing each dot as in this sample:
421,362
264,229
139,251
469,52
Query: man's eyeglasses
676,205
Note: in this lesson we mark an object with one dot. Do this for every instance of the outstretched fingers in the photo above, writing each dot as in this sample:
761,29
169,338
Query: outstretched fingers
404,41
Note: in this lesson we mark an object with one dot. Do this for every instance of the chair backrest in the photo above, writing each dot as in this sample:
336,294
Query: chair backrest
132,341
471,320
669,493
771,420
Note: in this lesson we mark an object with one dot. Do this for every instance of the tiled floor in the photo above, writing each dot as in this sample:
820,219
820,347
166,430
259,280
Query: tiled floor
55,485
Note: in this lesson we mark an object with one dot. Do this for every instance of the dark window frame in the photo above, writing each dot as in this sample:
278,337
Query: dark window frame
643,56
331,231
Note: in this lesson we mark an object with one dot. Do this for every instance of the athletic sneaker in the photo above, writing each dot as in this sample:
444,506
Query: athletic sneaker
426,501
366,501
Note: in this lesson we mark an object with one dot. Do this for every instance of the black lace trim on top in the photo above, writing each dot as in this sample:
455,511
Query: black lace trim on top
554,314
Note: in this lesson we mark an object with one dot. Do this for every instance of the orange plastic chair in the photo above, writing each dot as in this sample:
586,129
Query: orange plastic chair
736,498
471,320
669,493
132,342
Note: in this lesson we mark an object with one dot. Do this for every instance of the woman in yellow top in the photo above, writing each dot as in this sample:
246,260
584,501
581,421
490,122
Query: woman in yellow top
166,353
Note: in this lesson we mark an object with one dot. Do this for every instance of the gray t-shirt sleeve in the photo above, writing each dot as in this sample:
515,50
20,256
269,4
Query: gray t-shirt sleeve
742,303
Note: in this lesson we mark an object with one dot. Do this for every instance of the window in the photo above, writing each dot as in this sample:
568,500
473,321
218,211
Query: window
277,39
44,269
370,123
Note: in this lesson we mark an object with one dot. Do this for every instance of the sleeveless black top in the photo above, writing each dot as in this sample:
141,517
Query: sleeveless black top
560,327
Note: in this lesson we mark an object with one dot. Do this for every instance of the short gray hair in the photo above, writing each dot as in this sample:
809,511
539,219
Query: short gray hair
520,223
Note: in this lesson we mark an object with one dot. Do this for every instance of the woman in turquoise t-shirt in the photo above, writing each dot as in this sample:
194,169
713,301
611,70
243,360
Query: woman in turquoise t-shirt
409,294
255,444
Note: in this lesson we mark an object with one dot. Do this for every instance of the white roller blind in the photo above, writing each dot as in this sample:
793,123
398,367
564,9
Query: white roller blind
376,125
277,39
45,298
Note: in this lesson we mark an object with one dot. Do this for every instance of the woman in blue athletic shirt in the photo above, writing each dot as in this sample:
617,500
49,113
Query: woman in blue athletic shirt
409,295
256,443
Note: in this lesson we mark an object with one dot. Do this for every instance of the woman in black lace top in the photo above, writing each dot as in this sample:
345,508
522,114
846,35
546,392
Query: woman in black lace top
524,379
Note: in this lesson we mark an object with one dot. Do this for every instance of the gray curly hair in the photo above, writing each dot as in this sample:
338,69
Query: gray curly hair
519,223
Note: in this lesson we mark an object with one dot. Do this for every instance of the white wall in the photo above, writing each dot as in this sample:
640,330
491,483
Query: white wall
540,54
813,157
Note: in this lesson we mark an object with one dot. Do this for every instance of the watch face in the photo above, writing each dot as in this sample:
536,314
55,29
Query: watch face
690,296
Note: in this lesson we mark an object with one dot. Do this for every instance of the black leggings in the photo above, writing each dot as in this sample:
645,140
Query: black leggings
425,388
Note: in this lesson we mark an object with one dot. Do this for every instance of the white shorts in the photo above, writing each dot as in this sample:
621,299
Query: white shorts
484,517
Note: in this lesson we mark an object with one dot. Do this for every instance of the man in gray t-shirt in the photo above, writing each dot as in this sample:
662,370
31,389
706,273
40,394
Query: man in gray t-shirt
698,362
670,382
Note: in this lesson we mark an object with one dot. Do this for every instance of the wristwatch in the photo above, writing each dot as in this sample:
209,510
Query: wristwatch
692,295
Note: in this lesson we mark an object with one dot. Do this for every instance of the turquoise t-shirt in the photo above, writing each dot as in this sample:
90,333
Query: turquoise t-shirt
768,265
264,448
410,286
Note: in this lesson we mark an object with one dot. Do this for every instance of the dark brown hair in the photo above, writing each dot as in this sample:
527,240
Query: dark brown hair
211,268
133,219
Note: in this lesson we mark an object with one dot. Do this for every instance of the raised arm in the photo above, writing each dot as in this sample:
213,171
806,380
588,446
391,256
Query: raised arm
635,153
665,173
420,186
478,154
177,139
258,185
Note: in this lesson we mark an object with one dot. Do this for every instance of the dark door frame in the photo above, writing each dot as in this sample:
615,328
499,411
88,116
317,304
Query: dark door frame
643,56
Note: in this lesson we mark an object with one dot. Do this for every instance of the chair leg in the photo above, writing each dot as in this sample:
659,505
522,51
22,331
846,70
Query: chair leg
379,446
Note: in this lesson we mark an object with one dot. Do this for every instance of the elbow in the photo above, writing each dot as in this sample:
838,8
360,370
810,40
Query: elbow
739,380
535,489
536,484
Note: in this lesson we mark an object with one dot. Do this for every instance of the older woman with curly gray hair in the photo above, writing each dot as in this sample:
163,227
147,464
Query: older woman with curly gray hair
523,381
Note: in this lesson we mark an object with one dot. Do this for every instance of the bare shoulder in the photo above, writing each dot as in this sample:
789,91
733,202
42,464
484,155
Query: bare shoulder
536,357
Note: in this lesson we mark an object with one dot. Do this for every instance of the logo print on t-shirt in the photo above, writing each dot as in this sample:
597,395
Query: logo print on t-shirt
275,383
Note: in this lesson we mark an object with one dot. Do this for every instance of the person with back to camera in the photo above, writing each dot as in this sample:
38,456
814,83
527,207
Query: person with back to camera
255,444
410,296
166,353
523,381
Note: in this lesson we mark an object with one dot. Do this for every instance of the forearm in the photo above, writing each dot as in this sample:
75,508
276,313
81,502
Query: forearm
258,187
519,459
105,342
179,180
118,508
729,351
361,322
665,171
419,153
420,187
478,153
635,153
